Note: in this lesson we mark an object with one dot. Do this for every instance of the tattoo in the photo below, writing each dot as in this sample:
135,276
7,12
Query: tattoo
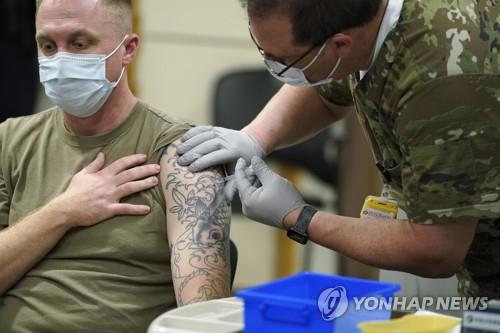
200,255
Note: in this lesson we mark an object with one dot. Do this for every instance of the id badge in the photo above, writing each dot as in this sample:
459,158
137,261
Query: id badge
377,207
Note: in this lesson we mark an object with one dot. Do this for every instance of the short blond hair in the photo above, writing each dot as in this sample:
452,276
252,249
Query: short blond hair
121,13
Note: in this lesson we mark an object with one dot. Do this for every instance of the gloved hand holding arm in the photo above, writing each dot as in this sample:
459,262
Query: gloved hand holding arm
271,202
206,146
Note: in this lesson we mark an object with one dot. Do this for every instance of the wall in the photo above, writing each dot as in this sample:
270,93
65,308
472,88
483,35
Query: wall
186,46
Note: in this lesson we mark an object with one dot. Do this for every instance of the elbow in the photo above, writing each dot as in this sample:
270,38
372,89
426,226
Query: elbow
438,266
440,272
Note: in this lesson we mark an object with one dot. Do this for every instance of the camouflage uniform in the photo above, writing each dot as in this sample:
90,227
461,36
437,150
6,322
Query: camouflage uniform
430,106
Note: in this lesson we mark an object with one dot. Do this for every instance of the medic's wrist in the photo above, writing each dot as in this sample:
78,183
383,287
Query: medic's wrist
291,219
266,149
299,232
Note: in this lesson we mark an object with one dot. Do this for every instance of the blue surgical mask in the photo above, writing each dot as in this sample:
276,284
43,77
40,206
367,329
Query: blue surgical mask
77,83
295,76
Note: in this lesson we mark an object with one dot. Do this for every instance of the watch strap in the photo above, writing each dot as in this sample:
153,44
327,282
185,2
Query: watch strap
299,231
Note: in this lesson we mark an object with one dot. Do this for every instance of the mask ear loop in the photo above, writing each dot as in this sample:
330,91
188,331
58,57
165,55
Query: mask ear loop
319,55
315,58
329,77
114,84
334,68
116,49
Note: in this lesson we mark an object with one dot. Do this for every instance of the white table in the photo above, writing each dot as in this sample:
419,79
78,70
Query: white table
217,316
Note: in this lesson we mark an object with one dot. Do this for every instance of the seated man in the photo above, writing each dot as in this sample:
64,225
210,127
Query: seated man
99,244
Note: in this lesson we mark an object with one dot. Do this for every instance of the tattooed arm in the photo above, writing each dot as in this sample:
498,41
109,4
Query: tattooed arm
198,218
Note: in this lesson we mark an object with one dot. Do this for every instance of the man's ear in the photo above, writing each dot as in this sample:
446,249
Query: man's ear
131,48
343,44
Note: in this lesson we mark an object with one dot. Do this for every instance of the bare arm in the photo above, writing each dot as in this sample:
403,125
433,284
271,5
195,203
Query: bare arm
292,116
198,219
93,196
27,242
426,250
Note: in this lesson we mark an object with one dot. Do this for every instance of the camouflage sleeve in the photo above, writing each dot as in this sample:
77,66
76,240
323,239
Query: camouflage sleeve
450,137
337,92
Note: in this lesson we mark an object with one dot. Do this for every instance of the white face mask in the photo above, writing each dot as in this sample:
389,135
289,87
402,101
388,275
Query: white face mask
77,83
295,76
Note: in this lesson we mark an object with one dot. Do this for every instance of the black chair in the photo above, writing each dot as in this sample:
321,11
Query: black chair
241,95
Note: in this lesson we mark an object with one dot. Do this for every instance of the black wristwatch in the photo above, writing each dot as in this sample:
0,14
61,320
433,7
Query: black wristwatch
299,231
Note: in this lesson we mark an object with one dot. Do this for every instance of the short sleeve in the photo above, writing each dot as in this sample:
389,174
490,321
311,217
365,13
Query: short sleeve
337,92
450,138
165,129
174,132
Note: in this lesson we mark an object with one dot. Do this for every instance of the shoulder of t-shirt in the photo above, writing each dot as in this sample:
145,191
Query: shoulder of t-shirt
27,125
163,117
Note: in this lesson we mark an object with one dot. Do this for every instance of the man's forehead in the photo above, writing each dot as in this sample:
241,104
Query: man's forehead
68,6
58,10
76,15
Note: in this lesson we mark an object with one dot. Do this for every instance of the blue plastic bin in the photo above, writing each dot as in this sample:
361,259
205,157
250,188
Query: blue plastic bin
291,304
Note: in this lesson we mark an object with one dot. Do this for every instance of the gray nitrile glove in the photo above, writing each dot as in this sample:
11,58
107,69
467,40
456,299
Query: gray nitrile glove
207,146
271,202
231,188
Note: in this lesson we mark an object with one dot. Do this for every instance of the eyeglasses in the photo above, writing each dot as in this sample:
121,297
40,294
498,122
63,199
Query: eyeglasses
287,67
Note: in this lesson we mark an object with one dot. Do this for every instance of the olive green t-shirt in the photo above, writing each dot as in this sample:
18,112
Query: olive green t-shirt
112,277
